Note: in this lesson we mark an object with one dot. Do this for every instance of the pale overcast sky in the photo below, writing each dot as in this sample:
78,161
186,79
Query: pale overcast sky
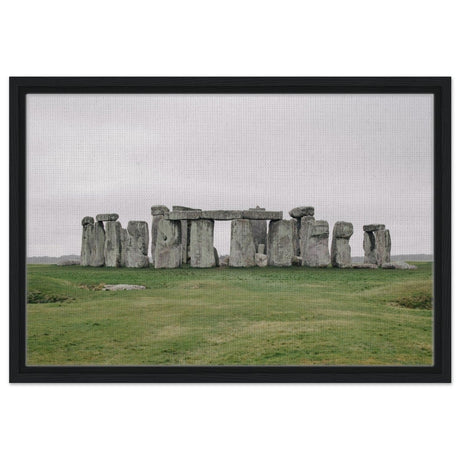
359,158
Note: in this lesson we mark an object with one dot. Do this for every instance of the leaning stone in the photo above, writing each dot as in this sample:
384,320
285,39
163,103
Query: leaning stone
261,260
184,215
302,211
122,287
222,215
159,210
87,221
373,227
399,266
242,248
98,259
107,217
262,215
112,248
168,250
261,249
340,247
201,244
137,244
88,243
364,266
280,247
216,257
314,242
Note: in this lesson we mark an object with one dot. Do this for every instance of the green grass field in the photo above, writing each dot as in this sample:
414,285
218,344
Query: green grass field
254,316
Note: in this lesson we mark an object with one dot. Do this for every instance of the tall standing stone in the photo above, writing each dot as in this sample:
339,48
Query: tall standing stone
259,229
340,247
297,214
202,243
124,245
314,242
242,248
98,259
87,241
280,248
185,232
112,248
137,244
168,250
376,244
158,213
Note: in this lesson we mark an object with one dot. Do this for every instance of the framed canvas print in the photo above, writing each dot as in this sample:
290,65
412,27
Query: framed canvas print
230,229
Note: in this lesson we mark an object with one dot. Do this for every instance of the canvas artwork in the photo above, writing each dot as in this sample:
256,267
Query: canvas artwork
230,229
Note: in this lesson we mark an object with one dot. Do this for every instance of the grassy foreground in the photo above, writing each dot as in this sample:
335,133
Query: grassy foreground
254,316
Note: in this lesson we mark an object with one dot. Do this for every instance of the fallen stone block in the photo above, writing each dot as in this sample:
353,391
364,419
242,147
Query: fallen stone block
398,266
122,287
364,266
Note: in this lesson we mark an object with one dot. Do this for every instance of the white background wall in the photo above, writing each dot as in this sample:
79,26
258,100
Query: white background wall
225,38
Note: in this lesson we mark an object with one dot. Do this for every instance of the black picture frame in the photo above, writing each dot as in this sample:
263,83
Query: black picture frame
440,87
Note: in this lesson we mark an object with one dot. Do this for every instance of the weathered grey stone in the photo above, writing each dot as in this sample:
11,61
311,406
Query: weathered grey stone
222,215
373,227
340,247
67,262
259,232
156,218
314,242
183,215
295,236
242,248
137,244
168,250
364,266
216,257
261,249
255,214
261,260
107,217
184,208
185,227
370,256
280,246
87,220
97,259
398,266
382,246
88,243
343,229
123,244
297,261
302,211
224,261
122,287
377,247
201,243
159,210
112,247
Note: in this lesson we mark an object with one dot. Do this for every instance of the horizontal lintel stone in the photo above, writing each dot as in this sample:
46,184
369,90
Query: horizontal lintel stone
183,215
373,227
222,215
107,217
262,215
